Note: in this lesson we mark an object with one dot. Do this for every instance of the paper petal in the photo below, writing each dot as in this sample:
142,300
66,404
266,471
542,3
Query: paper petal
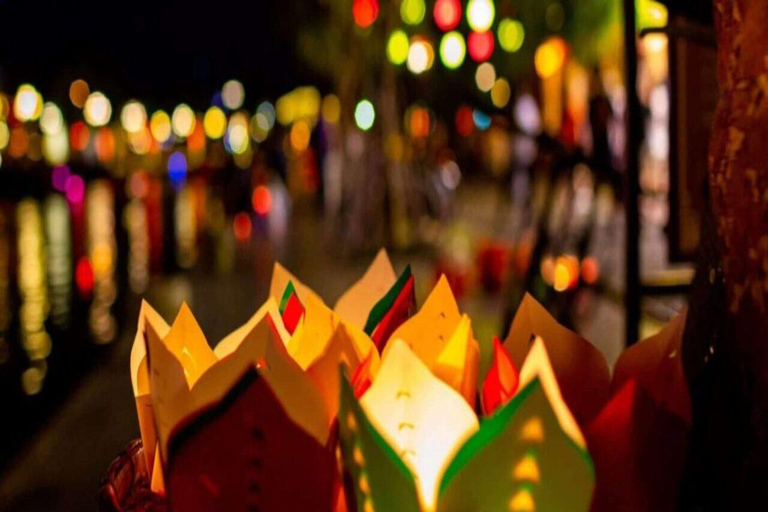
233,340
356,303
187,343
424,419
313,333
246,453
656,364
581,370
640,450
501,382
403,308
280,279
374,475
519,460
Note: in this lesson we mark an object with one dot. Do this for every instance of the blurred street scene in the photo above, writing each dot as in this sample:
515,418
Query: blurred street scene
176,159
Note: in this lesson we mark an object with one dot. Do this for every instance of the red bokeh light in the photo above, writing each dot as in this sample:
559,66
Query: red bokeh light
465,125
79,136
365,12
447,14
242,226
480,45
262,200
84,276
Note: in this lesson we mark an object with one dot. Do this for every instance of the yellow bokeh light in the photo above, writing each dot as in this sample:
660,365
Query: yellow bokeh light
233,94
215,123
237,134
420,56
480,14
140,142
160,126
412,11
511,35
5,135
550,57
331,109
133,117
300,134
51,121
500,93
183,120
97,110
56,147
28,103
485,76
397,47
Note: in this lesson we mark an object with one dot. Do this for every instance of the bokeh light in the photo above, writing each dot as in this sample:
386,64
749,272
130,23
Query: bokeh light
527,115
242,227
511,35
261,200
215,123
266,111
27,104
485,76
500,93
79,92
97,110
481,119
233,94
237,134
331,109
397,47
183,120
51,120
452,50
480,45
5,135
550,57
133,117
447,14
160,126
480,14
365,12
465,125
420,56
412,11
365,115
177,169
300,134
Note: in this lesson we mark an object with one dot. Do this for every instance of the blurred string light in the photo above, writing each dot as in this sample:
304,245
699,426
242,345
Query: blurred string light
511,35
527,115
261,200
160,126
300,103
103,257
104,144
266,111
447,14
237,137
365,115
418,121
97,110
465,125
79,92
300,134
27,104
397,47
140,142
501,93
550,57
56,147
4,107
481,119
177,169
133,117
183,121
421,56
215,123
233,94
51,120
480,45
480,14
79,136
651,14
331,109
412,11
242,227
452,50
5,135
365,12
485,76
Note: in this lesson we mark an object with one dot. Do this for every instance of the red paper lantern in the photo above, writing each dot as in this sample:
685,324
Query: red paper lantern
365,12
480,45
447,14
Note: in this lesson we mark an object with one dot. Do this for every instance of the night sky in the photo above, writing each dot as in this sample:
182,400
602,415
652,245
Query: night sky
162,52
